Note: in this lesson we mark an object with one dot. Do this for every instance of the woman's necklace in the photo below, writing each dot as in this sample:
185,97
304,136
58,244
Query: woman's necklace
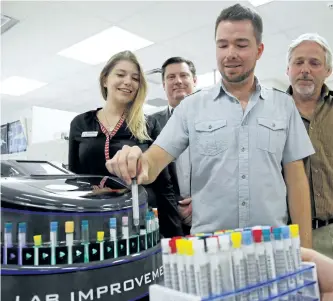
110,128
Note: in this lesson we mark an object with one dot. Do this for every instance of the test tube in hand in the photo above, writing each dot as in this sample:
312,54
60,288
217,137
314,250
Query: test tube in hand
135,202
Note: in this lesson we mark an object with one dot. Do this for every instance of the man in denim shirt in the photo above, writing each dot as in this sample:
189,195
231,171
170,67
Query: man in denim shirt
239,135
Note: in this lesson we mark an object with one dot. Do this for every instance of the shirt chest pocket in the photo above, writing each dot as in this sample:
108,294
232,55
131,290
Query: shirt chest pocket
271,134
211,137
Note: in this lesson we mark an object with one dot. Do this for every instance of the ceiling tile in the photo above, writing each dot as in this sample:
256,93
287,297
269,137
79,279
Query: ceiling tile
290,14
171,19
113,11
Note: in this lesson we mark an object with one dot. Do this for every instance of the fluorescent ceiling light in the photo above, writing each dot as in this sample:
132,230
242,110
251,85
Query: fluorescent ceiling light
207,79
256,3
99,48
17,85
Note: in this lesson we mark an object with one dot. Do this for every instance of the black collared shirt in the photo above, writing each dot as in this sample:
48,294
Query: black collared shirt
86,156
319,166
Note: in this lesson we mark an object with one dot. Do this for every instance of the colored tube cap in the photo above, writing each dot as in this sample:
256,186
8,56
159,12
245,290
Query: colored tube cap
294,230
22,227
124,220
112,222
285,231
172,244
236,239
8,227
277,233
266,234
180,245
69,227
54,226
257,235
38,240
100,235
247,238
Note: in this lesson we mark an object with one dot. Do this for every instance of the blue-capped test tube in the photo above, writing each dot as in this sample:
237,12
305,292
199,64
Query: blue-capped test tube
280,261
85,239
270,261
53,241
22,240
8,240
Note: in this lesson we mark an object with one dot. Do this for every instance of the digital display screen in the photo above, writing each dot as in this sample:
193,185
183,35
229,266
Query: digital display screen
17,141
41,168
4,139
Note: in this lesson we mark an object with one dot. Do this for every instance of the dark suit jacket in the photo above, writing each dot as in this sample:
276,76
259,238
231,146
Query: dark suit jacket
162,117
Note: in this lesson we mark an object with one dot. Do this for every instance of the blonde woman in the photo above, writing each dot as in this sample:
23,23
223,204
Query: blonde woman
121,122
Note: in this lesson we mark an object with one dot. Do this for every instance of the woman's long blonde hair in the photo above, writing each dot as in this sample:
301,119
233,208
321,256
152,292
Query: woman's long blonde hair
135,118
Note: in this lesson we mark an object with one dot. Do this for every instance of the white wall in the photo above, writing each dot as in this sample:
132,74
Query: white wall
43,127
47,124
15,113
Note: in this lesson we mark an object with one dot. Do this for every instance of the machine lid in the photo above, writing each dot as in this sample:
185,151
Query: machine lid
67,192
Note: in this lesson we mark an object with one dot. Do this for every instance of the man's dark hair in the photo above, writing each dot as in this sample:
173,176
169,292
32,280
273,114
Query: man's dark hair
178,60
239,12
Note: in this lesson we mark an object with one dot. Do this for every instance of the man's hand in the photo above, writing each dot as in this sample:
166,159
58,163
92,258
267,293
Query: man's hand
299,200
324,272
185,211
129,163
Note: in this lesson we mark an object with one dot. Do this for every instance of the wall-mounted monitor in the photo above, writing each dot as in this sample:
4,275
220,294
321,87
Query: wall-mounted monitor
17,140
4,139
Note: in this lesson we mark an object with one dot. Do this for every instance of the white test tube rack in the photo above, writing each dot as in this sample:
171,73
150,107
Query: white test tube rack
308,291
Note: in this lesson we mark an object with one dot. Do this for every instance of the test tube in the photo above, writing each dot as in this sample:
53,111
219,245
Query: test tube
228,283
285,231
280,261
8,243
69,229
238,264
296,251
181,264
189,267
270,261
166,262
22,240
135,203
85,239
251,264
261,262
213,252
201,268
53,241
174,265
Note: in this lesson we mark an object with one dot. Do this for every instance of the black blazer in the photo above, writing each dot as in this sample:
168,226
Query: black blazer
162,117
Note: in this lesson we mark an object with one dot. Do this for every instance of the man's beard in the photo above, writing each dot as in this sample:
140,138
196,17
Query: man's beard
238,79
305,91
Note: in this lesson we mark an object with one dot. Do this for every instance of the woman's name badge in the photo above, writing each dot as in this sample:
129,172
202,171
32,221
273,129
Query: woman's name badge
89,134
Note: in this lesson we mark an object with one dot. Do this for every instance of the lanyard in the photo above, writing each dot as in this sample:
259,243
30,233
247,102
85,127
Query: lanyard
109,136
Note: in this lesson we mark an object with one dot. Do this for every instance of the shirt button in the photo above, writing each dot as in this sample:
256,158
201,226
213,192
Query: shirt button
243,176
318,194
273,125
243,149
316,170
209,126
311,127
243,204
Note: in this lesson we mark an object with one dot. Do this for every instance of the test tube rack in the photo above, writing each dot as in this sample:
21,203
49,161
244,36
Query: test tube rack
308,291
